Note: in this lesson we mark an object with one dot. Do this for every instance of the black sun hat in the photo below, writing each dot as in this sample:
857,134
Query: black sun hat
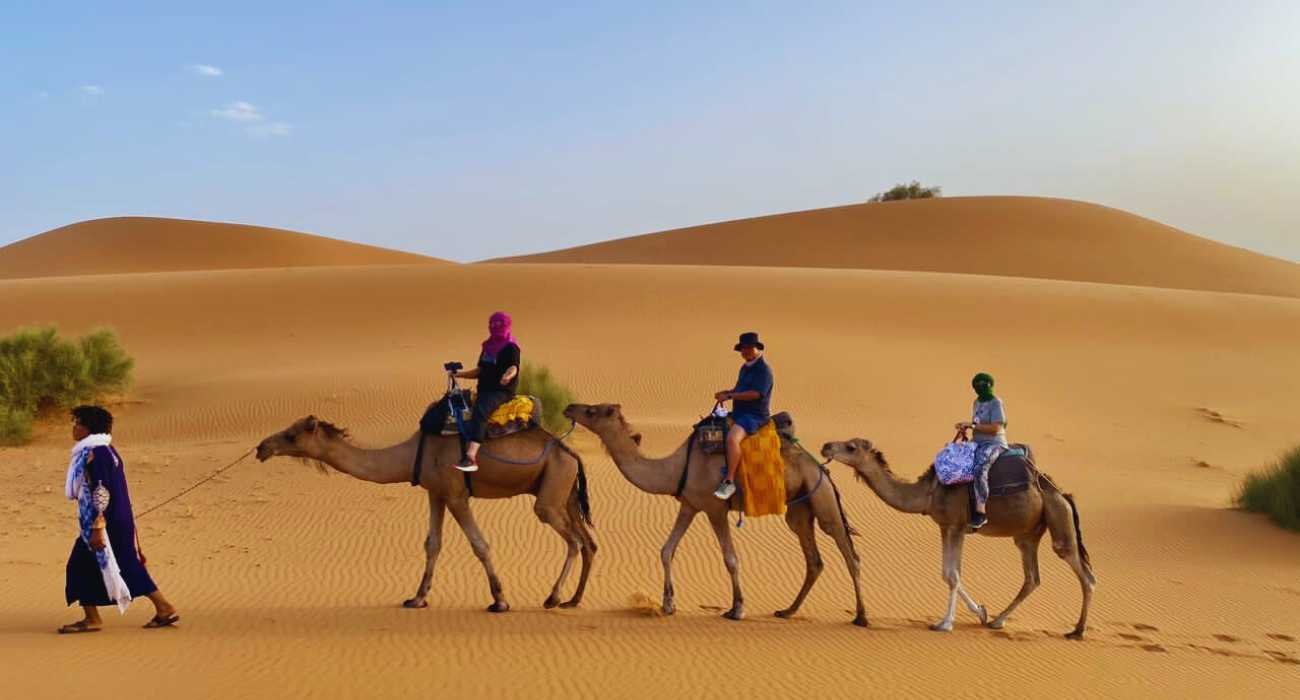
750,338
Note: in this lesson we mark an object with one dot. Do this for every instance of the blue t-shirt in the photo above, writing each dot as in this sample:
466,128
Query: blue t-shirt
754,377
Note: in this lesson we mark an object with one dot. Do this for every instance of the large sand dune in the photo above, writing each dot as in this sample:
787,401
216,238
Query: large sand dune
143,244
1010,236
290,581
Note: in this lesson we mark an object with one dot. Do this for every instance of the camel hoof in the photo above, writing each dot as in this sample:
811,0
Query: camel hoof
861,621
499,607
1076,635
570,604
415,603
669,607
551,602
733,614
784,614
941,627
997,624
984,615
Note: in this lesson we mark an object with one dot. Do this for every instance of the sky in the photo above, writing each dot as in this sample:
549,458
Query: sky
479,129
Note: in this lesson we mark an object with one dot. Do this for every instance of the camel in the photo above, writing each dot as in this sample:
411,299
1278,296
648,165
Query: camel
662,476
1023,516
545,468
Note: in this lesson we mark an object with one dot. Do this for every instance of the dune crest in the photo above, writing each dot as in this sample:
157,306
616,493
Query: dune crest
1035,237
145,244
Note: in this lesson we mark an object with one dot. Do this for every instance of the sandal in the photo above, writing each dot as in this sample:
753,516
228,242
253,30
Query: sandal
160,621
77,628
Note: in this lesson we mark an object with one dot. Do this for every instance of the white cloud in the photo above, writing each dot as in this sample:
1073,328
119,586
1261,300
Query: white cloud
269,130
42,95
239,112
93,90
207,71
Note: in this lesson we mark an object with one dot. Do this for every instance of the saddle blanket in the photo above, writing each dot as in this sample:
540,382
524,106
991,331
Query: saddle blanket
762,472
516,415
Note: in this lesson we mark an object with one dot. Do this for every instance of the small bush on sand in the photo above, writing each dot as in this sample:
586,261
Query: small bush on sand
1275,491
537,380
41,372
912,190
15,426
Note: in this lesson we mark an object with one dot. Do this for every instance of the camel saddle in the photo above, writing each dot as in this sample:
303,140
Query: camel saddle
514,416
1011,473
711,431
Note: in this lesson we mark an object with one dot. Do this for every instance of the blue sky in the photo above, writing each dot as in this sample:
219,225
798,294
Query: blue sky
472,130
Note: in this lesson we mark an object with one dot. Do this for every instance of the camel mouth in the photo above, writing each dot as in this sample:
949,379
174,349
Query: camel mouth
264,452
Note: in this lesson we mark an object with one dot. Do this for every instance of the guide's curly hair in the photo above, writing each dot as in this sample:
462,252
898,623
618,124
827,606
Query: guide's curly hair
96,419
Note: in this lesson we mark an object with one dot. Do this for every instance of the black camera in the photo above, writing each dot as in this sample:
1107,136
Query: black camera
453,366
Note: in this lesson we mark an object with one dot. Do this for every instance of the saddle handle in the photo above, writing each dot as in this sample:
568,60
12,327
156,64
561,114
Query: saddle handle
961,436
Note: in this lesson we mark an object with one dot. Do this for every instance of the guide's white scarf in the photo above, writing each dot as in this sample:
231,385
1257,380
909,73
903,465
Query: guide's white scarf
75,488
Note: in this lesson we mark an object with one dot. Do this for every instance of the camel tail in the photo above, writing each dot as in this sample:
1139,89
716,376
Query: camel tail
1078,531
584,501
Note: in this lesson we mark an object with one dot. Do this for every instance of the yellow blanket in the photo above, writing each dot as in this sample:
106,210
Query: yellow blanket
520,409
762,472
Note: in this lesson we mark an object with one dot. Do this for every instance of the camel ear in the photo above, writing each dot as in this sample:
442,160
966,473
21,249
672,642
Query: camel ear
636,437
610,410
310,424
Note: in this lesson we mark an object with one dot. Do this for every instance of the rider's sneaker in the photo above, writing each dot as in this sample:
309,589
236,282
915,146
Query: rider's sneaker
726,490
978,520
467,465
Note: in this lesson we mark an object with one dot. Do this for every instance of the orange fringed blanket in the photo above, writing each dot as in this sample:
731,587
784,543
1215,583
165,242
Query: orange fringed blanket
762,472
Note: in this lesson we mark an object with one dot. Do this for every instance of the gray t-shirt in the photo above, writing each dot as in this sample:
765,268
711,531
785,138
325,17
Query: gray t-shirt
985,412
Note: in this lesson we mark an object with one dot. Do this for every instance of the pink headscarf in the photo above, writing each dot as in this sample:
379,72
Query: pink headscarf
499,335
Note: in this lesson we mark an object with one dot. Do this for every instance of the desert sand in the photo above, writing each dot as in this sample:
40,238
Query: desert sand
145,244
1147,403
1036,237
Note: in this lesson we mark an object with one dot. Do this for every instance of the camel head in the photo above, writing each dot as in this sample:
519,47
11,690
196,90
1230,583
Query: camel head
601,419
305,439
858,453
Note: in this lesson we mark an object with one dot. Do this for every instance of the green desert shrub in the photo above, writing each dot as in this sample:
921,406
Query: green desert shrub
537,380
911,190
1275,491
15,426
41,372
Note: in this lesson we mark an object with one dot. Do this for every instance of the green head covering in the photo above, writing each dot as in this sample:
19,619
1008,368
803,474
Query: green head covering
982,383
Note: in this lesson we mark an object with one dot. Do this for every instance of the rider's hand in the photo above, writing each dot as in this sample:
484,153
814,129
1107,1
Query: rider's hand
722,396
97,539
963,426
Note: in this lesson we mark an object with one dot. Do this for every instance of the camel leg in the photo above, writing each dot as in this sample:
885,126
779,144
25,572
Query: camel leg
722,529
1065,542
558,520
800,520
432,545
1028,546
685,515
953,538
461,512
832,523
588,553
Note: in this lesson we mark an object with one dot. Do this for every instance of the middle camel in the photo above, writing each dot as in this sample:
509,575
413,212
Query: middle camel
804,477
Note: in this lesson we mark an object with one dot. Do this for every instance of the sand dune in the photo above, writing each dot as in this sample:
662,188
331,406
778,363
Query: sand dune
289,581
142,244
1010,236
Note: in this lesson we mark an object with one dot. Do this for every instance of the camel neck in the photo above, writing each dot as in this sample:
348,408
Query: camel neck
907,497
657,476
388,465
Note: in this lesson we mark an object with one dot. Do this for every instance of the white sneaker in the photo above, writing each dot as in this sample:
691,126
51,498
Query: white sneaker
726,490
467,466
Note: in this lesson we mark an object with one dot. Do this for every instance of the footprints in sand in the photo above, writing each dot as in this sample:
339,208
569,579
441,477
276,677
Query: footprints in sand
1216,417
1148,638
1142,636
